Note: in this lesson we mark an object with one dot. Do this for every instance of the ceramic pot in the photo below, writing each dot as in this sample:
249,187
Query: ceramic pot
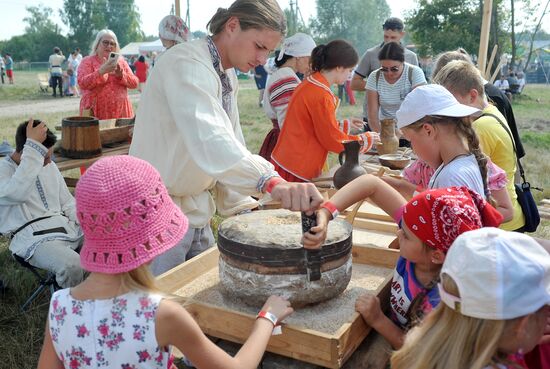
389,143
350,169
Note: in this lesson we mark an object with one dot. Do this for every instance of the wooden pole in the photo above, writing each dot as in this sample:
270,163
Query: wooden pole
178,8
491,61
484,39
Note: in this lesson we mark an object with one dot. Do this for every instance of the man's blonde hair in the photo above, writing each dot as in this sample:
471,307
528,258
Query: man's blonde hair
460,77
257,14
447,339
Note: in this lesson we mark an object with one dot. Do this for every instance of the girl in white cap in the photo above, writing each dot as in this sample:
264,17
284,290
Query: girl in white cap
293,58
441,133
495,293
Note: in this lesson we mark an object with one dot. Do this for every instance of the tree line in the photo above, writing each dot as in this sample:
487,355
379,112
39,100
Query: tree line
83,18
433,26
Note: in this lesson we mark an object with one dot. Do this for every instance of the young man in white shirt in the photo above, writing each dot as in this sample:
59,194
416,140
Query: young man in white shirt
189,109
37,210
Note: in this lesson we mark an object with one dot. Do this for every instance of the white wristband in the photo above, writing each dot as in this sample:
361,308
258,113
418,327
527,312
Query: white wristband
273,319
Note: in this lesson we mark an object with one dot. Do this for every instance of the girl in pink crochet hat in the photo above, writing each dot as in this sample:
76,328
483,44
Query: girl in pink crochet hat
116,318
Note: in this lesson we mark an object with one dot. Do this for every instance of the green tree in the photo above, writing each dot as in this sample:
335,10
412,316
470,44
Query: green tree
41,36
441,25
84,19
122,17
39,20
294,21
351,20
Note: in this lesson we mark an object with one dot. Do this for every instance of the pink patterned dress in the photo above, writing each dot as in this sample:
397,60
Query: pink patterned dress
107,94
112,333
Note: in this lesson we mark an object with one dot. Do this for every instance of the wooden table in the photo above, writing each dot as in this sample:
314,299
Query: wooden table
64,163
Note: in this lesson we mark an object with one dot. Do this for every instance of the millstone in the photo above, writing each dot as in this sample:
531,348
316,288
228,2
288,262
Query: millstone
261,255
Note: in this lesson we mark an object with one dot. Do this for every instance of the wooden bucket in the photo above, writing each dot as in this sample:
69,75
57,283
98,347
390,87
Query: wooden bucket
80,137
261,254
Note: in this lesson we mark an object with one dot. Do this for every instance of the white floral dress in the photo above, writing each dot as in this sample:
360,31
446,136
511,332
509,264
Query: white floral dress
112,333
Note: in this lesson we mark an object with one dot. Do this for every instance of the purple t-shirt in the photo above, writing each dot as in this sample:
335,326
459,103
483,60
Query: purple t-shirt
404,288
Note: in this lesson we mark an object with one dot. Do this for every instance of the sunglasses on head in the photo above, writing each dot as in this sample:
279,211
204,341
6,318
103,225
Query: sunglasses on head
108,43
392,69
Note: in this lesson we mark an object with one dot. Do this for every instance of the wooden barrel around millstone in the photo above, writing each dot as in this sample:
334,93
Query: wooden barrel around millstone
261,255
80,137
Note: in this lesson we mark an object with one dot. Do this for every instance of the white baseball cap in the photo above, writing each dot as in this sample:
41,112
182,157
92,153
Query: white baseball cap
430,100
500,275
297,45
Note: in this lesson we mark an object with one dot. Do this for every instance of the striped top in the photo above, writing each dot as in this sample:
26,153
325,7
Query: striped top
278,91
391,95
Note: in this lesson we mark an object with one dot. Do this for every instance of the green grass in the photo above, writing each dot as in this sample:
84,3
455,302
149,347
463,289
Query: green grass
21,334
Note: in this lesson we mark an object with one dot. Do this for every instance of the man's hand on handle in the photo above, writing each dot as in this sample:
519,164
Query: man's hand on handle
297,196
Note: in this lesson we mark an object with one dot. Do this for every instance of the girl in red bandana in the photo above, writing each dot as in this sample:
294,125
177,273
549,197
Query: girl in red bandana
429,223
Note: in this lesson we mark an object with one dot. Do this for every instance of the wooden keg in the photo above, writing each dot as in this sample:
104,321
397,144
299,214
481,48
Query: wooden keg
80,137
261,255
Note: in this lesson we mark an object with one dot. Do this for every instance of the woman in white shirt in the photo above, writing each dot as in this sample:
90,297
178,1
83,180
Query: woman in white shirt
293,58
388,86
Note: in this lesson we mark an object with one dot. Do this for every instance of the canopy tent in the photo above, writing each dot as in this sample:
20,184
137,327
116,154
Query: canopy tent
132,48
151,46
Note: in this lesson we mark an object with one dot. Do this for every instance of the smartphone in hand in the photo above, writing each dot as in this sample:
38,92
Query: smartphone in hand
113,56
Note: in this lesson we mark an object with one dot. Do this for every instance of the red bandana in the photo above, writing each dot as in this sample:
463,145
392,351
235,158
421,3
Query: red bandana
440,215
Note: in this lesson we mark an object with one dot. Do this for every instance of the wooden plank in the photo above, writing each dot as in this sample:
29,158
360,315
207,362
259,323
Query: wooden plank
327,350
114,135
366,237
376,225
64,163
302,344
375,256
484,38
370,211
181,275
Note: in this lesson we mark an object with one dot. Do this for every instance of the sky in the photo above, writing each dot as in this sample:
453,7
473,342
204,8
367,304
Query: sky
152,11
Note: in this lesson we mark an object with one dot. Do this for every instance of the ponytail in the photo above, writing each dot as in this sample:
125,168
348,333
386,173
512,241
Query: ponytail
337,53
465,129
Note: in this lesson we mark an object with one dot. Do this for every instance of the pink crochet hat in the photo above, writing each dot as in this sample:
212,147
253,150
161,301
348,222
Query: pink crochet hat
126,215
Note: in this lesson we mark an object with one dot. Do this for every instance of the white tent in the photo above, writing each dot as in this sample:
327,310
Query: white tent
132,48
151,46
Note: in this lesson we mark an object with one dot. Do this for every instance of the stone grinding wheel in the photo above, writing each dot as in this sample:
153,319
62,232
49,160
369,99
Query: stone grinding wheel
261,255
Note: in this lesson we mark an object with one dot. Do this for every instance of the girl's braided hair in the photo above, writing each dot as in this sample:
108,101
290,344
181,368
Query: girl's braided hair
463,126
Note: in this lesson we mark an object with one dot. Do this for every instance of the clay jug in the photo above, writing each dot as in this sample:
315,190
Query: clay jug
350,169
389,143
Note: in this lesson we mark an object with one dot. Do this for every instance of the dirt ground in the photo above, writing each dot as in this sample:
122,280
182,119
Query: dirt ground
44,107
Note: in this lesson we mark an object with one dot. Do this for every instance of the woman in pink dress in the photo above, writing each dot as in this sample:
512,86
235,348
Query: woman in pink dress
104,80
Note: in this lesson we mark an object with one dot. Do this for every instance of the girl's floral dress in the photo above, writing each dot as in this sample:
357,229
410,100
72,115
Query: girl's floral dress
116,333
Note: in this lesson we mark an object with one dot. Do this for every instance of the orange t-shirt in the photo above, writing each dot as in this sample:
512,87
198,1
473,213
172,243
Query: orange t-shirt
311,130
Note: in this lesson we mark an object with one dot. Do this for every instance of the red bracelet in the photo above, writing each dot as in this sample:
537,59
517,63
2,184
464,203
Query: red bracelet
331,208
272,183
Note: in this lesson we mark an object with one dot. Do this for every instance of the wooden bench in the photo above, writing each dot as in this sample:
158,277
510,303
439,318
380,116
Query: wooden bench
43,81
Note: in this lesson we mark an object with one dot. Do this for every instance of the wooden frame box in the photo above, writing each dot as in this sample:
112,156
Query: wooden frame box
327,350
